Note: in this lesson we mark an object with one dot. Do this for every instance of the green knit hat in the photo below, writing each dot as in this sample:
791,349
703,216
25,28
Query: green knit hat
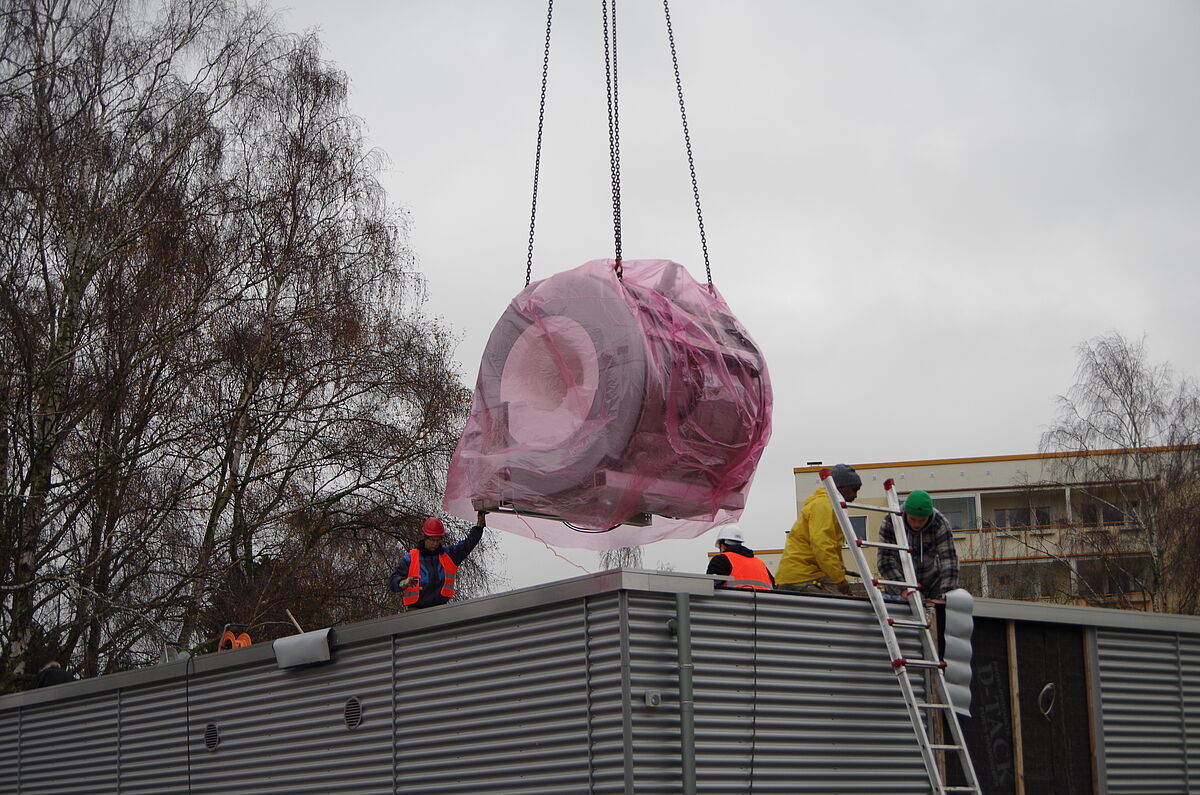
919,503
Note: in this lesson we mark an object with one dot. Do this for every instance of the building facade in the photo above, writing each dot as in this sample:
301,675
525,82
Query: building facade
1034,527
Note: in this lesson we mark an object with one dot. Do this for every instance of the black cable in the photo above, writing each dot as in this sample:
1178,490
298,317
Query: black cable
579,529
537,158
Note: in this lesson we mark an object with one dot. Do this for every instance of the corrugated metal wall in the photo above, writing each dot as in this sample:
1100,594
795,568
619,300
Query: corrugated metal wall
797,695
10,750
1150,701
67,747
154,736
496,705
609,695
550,692
285,731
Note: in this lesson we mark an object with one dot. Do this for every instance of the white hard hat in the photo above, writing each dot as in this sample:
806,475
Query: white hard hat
732,533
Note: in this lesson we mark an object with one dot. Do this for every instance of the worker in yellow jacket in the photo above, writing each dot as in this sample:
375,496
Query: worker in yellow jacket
812,557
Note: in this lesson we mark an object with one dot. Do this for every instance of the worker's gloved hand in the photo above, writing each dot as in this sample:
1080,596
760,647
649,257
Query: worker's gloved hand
407,582
844,587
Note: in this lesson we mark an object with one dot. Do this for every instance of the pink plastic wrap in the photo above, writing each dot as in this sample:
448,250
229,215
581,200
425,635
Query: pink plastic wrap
625,410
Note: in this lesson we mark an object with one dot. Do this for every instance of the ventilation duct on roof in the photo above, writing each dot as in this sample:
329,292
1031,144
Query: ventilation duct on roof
307,648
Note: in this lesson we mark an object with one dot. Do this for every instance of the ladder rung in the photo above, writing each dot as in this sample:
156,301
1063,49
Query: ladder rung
959,789
896,583
927,705
880,545
908,622
940,747
903,661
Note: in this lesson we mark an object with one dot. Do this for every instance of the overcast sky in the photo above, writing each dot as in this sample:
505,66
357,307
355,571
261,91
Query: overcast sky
918,209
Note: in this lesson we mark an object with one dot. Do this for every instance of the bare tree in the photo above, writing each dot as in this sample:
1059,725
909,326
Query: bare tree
1132,428
218,394
622,557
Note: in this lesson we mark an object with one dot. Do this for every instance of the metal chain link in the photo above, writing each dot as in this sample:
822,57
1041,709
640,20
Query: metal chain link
614,126
537,158
687,140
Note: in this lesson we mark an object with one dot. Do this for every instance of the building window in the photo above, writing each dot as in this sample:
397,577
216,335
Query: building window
1114,574
859,523
1096,513
1029,579
959,511
1022,518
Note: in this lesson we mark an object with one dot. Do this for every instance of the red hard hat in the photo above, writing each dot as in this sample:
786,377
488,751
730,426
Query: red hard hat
434,527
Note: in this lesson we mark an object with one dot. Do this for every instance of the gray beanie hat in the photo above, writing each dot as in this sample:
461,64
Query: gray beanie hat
844,475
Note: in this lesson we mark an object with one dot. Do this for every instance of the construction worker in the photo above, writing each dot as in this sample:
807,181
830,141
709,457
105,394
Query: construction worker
932,542
428,577
52,673
738,562
812,557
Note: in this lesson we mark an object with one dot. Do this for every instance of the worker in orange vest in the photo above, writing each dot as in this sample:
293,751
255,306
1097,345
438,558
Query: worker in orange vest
738,562
428,577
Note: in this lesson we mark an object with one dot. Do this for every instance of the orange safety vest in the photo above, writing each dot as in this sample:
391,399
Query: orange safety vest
413,591
747,572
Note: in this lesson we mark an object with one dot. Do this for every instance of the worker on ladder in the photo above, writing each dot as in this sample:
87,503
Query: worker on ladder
812,557
738,562
932,541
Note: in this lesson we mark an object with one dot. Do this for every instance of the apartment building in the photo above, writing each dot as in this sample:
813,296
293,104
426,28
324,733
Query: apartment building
1036,526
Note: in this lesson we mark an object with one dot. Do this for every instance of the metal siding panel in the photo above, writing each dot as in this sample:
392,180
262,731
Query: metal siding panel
154,739
654,665
494,706
606,725
1143,717
828,715
69,746
10,736
1189,677
284,731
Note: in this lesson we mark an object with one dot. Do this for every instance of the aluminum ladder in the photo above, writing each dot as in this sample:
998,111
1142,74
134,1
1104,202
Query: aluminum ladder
901,665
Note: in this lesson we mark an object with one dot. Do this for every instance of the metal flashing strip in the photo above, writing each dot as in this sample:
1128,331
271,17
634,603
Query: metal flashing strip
1100,617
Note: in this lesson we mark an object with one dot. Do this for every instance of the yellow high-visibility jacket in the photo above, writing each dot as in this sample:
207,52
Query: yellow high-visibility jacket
814,545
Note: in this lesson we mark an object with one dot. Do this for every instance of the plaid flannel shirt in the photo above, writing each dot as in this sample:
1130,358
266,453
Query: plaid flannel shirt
933,556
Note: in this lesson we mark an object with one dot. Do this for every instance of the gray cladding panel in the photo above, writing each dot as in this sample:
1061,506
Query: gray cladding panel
605,674
1149,705
153,739
1189,679
798,694
654,665
497,705
10,736
69,746
544,691
284,731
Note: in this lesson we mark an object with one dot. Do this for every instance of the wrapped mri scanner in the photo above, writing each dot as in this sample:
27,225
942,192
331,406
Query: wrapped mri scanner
613,410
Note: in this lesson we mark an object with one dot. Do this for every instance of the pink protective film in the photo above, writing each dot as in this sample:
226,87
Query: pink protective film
613,412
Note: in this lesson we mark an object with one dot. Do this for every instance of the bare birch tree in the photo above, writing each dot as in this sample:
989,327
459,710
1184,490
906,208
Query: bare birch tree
1146,494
